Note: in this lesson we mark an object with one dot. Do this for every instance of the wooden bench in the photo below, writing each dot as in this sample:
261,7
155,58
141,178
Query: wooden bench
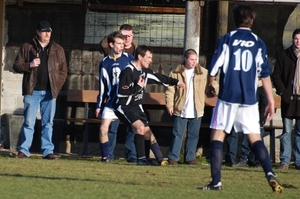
89,97
271,128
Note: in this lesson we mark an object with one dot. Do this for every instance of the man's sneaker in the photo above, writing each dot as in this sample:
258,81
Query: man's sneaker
217,187
50,156
163,163
143,162
172,162
105,159
21,155
191,162
241,163
253,164
152,162
228,164
273,182
283,166
131,160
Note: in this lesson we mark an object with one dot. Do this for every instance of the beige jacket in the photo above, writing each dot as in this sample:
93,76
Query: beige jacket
176,97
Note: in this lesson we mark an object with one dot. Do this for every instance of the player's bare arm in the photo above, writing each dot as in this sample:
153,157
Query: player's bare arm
97,113
210,90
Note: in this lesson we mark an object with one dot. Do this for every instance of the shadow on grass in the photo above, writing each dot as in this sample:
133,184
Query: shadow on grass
67,178
114,182
45,177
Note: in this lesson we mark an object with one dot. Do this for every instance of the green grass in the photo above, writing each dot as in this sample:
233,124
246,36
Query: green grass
87,178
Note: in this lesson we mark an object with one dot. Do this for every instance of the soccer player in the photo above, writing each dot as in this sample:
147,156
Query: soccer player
241,57
133,79
110,69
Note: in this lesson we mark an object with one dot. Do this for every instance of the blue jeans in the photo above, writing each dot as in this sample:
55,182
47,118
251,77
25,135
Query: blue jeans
246,153
129,142
47,105
130,150
179,127
232,146
112,138
286,141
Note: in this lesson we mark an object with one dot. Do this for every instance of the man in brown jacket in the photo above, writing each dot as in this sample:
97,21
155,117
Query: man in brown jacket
44,67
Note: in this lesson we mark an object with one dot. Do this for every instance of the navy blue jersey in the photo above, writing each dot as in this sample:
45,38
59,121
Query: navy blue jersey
130,92
109,72
241,57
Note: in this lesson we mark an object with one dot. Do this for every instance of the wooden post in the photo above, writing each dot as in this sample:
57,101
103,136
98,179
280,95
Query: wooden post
192,25
2,16
222,19
20,2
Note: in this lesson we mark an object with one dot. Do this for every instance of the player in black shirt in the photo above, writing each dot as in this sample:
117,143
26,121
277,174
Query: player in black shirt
133,80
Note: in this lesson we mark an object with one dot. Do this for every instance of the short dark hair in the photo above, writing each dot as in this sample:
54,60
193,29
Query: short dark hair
243,16
126,27
112,36
296,32
187,53
141,50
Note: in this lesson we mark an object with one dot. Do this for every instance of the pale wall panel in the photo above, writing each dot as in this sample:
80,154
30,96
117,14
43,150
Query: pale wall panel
163,30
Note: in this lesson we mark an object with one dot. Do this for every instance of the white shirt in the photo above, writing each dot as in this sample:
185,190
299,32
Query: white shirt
188,110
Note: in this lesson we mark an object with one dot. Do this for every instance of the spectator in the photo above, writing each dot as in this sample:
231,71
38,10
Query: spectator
43,64
241,57
133,79
186,106
110,69
130,44
286,80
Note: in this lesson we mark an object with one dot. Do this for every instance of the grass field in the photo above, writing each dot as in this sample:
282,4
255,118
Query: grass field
87,178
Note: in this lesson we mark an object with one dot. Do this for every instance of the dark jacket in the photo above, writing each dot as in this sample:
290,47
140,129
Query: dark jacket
57,66
282,78
262,104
